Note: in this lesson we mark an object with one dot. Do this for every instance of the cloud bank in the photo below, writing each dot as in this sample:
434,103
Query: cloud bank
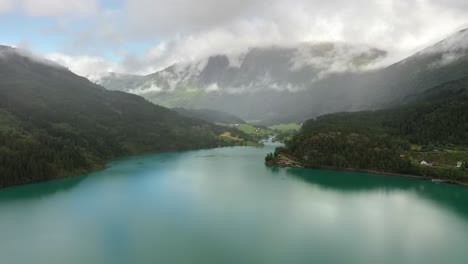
51,8
6,6
192,30
185,30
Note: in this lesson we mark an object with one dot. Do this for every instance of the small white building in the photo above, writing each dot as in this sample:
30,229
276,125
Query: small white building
459,164
425,163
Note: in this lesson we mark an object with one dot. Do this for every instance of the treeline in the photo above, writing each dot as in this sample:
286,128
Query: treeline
54,123
210,115
30,152
437,117
381,140
351,150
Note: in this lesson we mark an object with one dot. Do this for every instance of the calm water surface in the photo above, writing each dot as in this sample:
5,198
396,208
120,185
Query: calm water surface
224,206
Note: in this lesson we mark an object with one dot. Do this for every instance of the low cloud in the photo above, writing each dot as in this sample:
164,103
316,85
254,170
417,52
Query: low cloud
194,29
24,51
91,67
146,90
336,57
453,48
187,30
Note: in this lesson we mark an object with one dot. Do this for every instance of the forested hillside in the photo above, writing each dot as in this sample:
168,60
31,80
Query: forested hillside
432,127
54,123
209,115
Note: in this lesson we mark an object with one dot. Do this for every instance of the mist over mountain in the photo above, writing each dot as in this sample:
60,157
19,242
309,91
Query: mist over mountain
278,85
443,62
210,115
250,85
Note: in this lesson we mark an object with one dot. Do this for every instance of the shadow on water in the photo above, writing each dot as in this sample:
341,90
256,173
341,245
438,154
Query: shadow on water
39,190
117,169
449,196
350,181
273,170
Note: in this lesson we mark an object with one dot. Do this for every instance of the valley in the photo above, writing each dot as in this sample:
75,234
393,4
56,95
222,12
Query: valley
233,132
281,85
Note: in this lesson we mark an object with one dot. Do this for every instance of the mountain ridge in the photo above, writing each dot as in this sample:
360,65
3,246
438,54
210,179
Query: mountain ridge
54,123
309,92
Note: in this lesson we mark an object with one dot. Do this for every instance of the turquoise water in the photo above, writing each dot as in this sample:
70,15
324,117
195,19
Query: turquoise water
224,206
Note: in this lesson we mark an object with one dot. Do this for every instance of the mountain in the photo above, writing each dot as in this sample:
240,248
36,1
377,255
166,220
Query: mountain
258,84
432,126
209,115
282,85
438,64
54,123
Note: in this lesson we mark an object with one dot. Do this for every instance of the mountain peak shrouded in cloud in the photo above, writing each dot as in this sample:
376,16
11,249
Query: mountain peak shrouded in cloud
293,83
453,43
7,53
288,68
92,37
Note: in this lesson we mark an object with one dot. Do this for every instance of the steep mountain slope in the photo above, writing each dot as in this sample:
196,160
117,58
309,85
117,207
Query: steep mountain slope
54,123
441,63
282,85
438,116
210,115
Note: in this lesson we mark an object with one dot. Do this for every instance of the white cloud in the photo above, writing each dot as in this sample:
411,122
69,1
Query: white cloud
190,30
454,48
60,7
212,88
91,67
187,30
146,90
6,6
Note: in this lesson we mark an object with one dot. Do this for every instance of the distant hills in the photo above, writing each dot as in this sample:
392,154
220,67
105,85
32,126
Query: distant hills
282,85
54,123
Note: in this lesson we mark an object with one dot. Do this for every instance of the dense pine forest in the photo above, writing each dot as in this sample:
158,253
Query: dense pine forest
430,128
209,115
54,123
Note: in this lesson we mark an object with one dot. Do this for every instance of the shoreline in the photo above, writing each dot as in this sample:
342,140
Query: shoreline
107,164
392,174
381,173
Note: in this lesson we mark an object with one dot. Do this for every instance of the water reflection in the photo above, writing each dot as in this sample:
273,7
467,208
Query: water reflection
226,206
40,190
450,196
273,170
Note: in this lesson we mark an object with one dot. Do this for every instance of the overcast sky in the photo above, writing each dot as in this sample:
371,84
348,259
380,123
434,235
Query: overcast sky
141,36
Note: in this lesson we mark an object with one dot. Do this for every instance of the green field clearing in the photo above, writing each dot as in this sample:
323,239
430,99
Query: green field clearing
286,127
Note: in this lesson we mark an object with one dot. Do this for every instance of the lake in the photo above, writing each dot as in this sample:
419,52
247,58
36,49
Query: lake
225,206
